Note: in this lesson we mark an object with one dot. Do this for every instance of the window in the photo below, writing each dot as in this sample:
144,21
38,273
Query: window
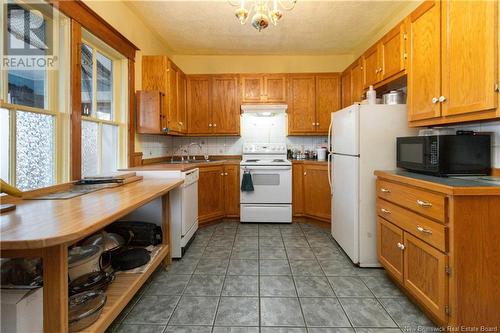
34,103
103,107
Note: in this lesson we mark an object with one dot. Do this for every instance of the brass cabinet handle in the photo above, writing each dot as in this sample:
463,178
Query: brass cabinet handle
384,190
424,204
424,231
385,211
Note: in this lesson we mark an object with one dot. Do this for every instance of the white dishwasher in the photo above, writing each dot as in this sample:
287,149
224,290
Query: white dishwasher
183,207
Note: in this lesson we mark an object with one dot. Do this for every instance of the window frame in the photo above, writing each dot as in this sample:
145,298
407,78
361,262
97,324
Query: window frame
56,104
119,116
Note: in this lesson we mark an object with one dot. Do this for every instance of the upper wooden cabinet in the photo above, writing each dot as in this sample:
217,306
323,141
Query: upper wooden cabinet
352,83
387,58
453,62
213,105
198,104
225,105
311,100
263,88
161,74
150,115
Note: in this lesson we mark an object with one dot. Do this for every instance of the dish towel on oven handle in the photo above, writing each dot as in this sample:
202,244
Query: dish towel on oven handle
246,182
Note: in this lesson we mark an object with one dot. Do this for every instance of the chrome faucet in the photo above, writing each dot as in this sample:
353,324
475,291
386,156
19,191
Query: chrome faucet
193,144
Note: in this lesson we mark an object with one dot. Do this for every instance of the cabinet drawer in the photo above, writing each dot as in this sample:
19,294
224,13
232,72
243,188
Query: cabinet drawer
428,231
423,202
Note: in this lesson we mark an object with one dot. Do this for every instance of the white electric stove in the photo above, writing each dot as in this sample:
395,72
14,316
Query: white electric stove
271,200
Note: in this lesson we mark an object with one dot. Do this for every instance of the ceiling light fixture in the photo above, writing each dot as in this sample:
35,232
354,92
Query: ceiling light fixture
265,11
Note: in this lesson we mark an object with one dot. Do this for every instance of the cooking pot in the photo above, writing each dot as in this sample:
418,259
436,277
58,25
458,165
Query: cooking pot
394,97
106,240
85,308
91,281
83,260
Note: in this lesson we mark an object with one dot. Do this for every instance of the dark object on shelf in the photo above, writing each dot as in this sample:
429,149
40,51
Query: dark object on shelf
137,233
108,241
91,281
22,272
129,258
85,308
4,208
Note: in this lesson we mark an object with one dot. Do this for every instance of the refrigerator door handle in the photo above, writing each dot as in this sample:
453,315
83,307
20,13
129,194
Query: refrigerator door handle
330,136
330,173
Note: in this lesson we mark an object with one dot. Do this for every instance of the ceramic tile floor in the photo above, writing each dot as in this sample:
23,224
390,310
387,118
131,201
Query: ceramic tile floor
268,278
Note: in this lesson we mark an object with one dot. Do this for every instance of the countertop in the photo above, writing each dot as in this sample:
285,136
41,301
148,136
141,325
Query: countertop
447,185
182,166
42,223
309,162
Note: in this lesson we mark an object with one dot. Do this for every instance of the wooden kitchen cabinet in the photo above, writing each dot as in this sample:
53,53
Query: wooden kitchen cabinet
198,104
311,100
425,274
389,254
211,197
263,88
160,73
149,112
356,82
232,190
182,102
327,100
154,78
225,106
371,66
311,196
453,62
346,81
297,189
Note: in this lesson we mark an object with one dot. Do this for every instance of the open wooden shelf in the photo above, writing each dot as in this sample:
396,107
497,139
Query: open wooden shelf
121,291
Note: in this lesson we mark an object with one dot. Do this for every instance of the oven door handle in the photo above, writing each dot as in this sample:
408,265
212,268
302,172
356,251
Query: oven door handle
264,168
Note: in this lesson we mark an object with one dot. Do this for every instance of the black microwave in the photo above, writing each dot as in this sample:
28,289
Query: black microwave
445,155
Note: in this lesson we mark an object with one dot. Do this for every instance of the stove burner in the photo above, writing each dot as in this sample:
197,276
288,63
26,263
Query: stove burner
252,161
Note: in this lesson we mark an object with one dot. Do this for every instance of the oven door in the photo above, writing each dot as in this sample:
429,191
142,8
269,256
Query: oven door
272,185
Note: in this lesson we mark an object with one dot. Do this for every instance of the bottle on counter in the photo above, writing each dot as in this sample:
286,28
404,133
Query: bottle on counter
371,96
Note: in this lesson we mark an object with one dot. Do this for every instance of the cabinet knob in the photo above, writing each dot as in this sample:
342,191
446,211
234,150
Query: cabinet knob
442,99
209,125
314,124
423,230
215,125
401,246
222,173
385,211
424,204
434,100
225,173
305,173
384,190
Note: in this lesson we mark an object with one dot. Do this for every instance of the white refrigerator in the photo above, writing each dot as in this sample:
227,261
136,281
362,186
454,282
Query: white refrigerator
362,139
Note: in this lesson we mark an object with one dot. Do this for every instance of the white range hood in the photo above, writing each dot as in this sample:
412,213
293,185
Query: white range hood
264,109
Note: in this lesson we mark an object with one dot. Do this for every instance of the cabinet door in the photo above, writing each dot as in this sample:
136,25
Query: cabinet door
172,94
182,108
232,190
357,82
275,88
154,77
317,197
424,62
297,190
225,105
198,105
327,100
371,66
251,88
149,112
210,193
425,276
346,88
392,52
389,253
469,47
302,100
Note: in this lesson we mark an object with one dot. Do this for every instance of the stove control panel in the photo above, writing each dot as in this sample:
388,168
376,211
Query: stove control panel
264,148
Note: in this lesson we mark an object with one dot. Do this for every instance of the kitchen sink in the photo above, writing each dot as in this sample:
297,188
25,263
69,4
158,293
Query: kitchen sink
188,161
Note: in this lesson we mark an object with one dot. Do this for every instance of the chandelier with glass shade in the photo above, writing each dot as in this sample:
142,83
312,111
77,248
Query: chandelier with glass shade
266,11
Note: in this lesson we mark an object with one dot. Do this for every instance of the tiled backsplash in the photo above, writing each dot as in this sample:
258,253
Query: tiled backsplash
158,146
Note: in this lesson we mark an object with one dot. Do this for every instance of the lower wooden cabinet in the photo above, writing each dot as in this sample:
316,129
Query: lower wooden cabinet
389,252
311,191
218,192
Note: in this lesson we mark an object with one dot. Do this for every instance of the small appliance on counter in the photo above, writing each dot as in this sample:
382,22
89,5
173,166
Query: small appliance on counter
463,153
